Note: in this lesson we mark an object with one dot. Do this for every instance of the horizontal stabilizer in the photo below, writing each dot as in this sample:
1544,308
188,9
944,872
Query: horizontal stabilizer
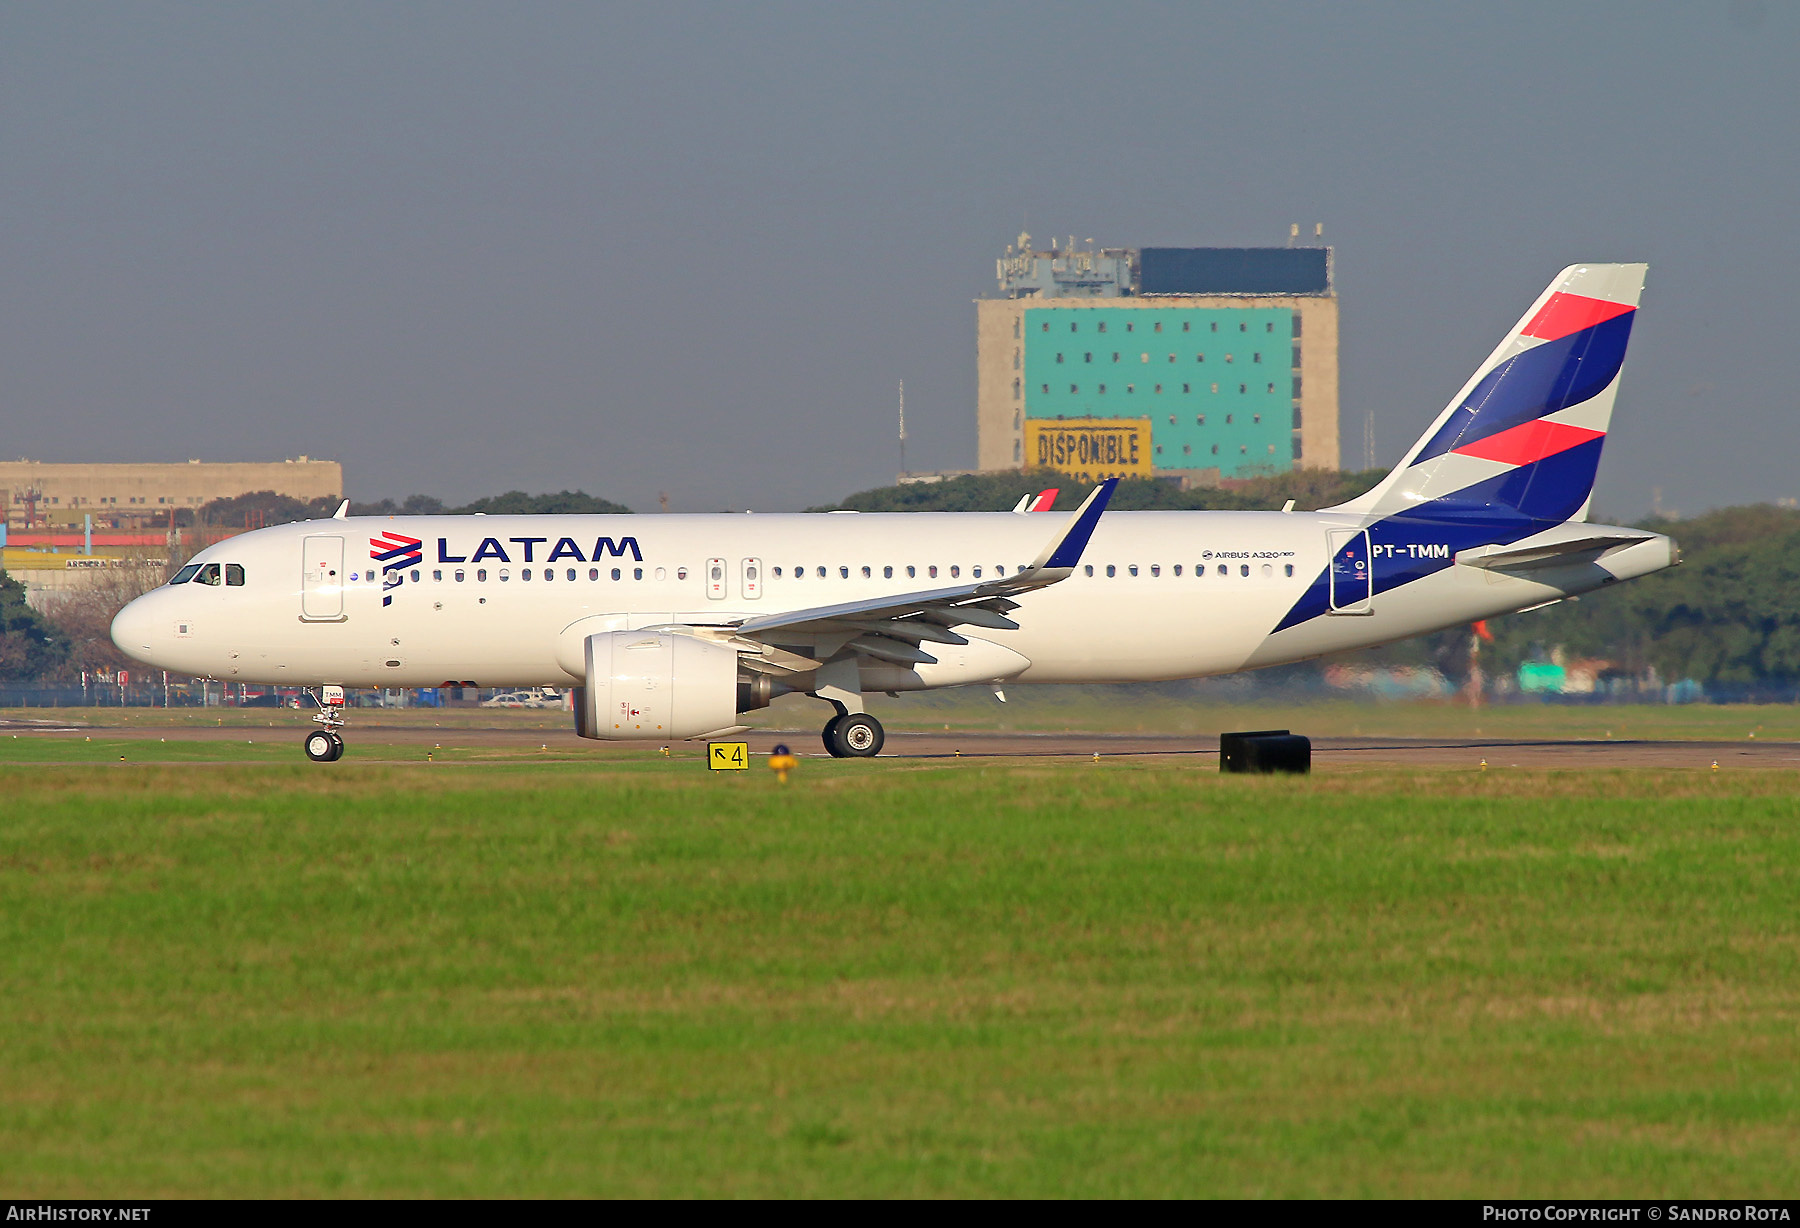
1548,553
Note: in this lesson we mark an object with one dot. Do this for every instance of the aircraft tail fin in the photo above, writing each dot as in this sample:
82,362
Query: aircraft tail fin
1523,437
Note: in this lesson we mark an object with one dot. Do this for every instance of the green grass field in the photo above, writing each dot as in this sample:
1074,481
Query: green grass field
1060,978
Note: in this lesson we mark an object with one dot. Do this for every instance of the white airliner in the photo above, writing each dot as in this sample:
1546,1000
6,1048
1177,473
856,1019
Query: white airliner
671,626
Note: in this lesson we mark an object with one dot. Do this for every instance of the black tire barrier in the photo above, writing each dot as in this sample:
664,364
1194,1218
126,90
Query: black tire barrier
1265,751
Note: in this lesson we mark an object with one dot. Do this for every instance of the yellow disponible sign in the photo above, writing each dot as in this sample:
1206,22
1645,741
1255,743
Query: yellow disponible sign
728,756
1089,449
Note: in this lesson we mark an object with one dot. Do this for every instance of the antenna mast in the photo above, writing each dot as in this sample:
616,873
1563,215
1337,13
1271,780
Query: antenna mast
903,468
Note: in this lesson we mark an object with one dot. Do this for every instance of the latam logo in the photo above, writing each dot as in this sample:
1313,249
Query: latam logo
525,550
394,551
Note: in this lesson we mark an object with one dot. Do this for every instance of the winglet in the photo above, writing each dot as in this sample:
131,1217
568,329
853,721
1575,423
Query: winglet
343,512
1065,552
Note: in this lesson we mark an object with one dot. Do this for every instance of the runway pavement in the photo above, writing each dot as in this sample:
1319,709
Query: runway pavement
1329,753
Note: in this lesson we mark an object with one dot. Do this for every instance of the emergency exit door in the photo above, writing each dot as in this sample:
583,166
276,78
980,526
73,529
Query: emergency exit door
322,579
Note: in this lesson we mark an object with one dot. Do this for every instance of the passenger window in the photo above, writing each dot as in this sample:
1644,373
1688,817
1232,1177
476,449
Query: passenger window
1268,570
438,575
821,571
999,569
1224,570
1111,571
234,575
1178,569
549,573
524,574
1089,569
637,573
1132,569
843,573
932,571
459,575
1243,569
185,574
505,575
1289,569
209,574
887,573
867,574
415,577
615,573
662,573
955,571
799,573
481,575
1156,569
911,571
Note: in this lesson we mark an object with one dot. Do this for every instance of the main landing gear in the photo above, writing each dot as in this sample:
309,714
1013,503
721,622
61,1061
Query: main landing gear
850,734
854,735
325,744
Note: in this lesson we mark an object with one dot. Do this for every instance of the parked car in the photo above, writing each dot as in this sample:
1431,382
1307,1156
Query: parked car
537,697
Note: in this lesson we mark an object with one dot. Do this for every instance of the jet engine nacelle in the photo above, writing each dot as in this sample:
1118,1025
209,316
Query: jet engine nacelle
652,684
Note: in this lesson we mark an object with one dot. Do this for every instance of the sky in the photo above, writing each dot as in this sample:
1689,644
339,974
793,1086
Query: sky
693,248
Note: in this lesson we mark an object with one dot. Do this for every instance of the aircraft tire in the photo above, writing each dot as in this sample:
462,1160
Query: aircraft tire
321,747
337,747
825,735
857,736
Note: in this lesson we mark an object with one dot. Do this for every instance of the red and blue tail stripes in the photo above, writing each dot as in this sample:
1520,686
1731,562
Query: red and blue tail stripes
1517,452
1567,370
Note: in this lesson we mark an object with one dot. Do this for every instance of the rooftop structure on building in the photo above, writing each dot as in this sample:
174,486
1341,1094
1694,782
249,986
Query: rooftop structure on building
1202,364
39,494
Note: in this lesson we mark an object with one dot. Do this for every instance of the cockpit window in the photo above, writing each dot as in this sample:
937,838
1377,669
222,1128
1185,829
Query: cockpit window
234,575
185,574
209,574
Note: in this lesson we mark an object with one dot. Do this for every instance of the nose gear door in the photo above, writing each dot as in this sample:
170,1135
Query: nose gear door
322,579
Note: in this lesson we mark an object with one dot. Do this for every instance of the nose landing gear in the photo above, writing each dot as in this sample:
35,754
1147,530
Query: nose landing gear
325,744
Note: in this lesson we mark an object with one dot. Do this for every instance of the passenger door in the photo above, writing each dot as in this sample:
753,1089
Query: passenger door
322,579
1352,571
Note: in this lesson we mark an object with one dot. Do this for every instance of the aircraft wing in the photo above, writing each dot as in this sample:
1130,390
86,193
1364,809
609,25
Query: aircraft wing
892,628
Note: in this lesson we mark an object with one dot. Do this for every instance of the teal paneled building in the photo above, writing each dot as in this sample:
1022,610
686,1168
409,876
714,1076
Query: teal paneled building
1233,361
1216,383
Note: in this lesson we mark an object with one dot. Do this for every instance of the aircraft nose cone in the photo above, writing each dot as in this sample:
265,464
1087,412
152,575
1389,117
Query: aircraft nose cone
132,626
